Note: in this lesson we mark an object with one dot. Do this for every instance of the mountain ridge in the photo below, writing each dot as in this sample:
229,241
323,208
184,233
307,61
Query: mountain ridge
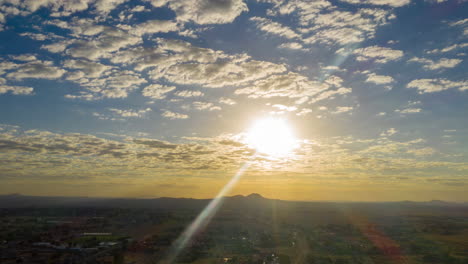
19,200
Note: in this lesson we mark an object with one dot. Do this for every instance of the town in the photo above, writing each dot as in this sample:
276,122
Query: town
247,229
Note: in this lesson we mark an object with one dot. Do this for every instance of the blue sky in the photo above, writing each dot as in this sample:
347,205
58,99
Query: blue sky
374,90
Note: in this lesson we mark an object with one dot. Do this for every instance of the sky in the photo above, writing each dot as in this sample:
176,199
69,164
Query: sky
154,98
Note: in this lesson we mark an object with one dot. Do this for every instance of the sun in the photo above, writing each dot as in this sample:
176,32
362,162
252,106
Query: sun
271,136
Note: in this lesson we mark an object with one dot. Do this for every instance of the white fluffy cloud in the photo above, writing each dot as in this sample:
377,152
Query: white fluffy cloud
173,115
379,79
55,6
343,109
205,106
103,44
130,112
285,107
36,69
323,22
58,8
6,66
393,3
304,111
16,90
89,68
436,65
56,47
187,93
390,132
227,101
463,23
437,85
341,36
306,10
204,11
157,91
291,45
344,27
155,26
377,54
105,6
411,110
268,26
330,94
422,151
284,85
181,63
116,84
448,48
24,57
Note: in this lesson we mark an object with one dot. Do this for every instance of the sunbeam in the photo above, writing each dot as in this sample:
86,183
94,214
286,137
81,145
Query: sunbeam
204,218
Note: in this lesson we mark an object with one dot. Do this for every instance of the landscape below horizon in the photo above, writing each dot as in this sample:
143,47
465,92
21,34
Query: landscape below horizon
244,229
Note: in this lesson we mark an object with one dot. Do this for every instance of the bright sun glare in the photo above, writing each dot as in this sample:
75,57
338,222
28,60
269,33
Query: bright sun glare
272,136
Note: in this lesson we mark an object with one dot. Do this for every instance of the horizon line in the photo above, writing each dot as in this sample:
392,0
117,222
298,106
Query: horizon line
245,196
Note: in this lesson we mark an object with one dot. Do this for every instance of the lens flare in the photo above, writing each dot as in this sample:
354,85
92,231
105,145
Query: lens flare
203,219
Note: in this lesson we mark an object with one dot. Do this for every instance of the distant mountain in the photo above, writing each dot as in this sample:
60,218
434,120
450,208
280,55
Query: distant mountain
255,196
432,203
438,202
250,201
13,194
22,201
